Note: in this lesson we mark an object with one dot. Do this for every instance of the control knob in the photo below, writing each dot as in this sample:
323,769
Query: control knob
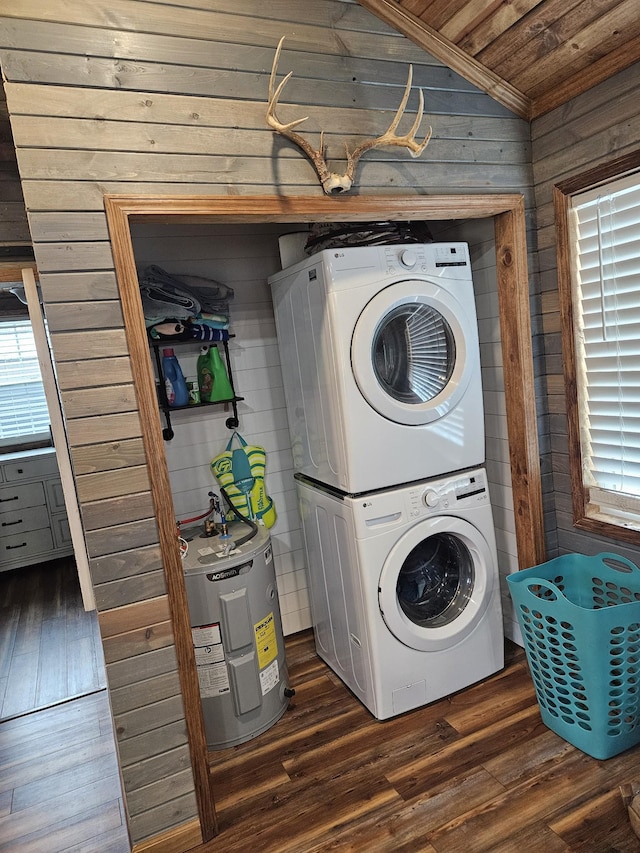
408,258
431,498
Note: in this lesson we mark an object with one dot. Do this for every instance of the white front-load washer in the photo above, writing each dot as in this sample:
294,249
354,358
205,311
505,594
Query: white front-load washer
404,588
381,364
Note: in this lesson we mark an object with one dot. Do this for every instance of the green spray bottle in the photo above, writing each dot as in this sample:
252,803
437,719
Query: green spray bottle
222,389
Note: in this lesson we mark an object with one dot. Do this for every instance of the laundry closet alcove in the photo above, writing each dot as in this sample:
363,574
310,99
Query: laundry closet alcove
507,212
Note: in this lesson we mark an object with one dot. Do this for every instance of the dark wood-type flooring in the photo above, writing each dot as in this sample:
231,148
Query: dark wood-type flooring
50,647
477,771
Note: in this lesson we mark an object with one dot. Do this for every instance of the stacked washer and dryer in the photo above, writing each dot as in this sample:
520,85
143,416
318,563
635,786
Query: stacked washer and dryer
381,364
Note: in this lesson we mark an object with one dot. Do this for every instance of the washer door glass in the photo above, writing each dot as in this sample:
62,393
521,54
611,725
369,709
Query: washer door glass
436,580
436,583
414,353
414,350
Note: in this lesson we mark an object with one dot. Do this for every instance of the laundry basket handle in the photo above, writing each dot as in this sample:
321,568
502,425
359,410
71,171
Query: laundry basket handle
544,590
617,563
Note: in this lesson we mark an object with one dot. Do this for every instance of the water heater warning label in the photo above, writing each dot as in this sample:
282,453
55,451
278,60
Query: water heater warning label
266,641
269,678
210,661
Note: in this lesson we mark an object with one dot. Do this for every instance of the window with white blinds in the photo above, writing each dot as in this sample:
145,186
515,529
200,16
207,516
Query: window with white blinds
24,416
606,264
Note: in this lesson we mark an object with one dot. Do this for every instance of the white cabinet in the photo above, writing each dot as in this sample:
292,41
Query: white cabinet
33,520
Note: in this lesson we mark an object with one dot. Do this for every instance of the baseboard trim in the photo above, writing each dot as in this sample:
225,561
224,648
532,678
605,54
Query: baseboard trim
176,840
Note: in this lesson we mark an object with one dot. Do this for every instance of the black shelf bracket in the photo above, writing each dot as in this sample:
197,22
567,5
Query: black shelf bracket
231,422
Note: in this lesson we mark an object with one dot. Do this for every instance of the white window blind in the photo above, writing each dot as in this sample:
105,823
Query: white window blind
24,415
606,259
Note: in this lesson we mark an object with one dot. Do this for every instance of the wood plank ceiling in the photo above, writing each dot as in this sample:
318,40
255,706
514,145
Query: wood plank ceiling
531,55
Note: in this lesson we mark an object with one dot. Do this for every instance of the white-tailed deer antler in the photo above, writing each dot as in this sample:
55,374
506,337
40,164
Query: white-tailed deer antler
332,182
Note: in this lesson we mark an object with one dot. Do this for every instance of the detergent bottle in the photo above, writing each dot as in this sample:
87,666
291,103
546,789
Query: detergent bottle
174,381
205,376
222,389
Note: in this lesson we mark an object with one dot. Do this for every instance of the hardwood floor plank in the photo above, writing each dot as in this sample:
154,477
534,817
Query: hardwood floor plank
601,823
9,617
537,836
30,764
407,827
83,672
5,802
53,642
60,789
22,683
577,778
52,663
59,777
249,779
529,758
303,816
30,597
83,830
86,670
112,841
466,753
64,716
3,691
368,744
56,812
470,709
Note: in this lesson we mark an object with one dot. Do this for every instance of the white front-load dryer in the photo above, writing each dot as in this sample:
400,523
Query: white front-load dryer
381,364
404,588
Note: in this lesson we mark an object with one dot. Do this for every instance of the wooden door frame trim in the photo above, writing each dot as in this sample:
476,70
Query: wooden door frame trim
508,213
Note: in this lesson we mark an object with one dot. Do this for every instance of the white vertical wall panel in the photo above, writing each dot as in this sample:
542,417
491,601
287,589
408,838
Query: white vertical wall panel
242,257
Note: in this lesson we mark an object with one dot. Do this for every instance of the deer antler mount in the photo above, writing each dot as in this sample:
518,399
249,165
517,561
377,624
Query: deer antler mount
332,183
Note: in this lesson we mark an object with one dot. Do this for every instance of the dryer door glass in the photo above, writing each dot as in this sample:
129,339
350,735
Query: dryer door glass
414,353
436,581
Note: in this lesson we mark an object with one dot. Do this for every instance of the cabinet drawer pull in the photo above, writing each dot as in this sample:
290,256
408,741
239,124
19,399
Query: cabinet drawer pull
6,500
11,523
13,547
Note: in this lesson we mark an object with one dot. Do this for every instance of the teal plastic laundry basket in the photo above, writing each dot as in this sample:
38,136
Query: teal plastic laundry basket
580,620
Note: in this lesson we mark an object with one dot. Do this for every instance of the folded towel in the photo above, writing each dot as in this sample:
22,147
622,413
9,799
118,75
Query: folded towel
211,295
169,330
200,332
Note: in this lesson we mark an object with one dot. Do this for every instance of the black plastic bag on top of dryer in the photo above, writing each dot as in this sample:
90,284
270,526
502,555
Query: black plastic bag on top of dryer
180,297
335,235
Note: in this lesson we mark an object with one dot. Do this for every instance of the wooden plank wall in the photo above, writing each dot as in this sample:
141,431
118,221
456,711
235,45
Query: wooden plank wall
596,127
14,228
120,96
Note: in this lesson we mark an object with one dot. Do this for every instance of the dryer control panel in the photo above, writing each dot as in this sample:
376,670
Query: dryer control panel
450,260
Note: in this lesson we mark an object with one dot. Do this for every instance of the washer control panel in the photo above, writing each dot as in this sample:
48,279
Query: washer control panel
457,491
